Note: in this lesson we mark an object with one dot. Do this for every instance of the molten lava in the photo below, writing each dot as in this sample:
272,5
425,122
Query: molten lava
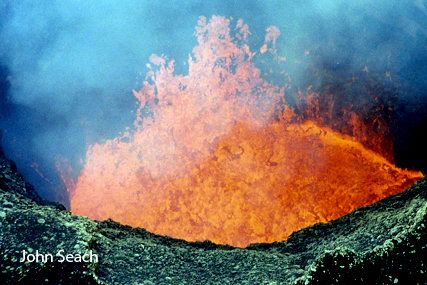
217,154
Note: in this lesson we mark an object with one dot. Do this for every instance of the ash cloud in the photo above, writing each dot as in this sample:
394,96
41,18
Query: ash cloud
68,67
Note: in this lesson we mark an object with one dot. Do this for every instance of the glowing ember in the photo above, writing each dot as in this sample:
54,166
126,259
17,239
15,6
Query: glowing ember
220,159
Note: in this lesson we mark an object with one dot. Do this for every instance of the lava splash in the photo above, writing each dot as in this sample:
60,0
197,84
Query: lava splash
217,154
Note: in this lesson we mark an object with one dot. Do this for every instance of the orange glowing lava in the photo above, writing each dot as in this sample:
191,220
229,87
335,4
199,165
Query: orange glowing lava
221,158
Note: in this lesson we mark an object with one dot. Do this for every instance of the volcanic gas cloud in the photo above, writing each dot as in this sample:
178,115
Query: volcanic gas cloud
217,154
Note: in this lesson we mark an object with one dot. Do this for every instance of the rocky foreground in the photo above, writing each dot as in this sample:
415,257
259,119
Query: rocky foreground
384,243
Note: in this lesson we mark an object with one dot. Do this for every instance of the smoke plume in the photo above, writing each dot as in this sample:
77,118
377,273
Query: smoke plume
68,68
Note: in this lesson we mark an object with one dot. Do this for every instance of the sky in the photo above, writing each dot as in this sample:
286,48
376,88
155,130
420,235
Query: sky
68,68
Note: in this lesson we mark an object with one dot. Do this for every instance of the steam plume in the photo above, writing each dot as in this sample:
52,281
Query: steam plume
68,67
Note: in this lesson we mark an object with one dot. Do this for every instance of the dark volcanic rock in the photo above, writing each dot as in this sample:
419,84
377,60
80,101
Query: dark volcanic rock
384,243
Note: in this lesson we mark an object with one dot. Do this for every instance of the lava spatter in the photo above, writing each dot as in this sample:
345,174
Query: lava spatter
221,158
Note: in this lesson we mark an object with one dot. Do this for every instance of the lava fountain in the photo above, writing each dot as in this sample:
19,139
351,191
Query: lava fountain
217,154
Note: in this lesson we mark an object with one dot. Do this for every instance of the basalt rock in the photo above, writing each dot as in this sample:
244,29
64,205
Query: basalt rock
384,243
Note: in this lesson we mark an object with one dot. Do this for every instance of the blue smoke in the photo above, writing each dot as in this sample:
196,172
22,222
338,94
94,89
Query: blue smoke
68,67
